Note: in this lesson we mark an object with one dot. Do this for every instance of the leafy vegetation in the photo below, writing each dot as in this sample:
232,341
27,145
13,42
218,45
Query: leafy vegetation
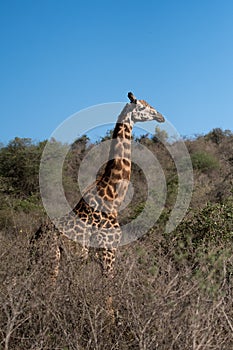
204,161
19,166
171,290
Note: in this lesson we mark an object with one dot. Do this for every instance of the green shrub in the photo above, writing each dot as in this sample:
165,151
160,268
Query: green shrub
204,243
204,161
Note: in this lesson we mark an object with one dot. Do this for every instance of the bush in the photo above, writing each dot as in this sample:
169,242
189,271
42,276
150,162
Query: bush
19,166
204,243
204,161
168,292
160,135
217,135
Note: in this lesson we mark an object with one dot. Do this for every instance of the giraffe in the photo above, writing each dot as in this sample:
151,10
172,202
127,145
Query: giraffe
93,221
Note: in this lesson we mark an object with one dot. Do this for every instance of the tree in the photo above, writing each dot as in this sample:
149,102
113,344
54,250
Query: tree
19,165
160,135
217,135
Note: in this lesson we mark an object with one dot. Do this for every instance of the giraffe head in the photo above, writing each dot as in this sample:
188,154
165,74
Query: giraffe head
141,111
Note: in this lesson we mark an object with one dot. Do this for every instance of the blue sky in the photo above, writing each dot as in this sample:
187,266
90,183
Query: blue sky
60,56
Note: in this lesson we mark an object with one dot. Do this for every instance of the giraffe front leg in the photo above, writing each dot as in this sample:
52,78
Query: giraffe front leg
106,240
108,262
111,242
55,264
84,239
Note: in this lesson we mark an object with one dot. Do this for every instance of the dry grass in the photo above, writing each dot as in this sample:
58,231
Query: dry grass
170,292
159,301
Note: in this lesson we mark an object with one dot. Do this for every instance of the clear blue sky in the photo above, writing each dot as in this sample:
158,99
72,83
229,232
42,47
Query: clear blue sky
60,56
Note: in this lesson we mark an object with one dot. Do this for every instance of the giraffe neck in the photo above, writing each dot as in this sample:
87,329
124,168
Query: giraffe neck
117,172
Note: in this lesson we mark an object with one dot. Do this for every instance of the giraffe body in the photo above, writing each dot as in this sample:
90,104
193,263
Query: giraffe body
94,220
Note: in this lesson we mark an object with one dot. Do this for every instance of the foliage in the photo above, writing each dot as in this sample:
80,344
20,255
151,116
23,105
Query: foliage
170,291
108,136
204,242
160,135
19,165
217,135
204,161
173,290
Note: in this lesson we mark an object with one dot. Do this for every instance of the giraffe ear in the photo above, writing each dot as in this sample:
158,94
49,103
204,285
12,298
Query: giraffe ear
132,98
